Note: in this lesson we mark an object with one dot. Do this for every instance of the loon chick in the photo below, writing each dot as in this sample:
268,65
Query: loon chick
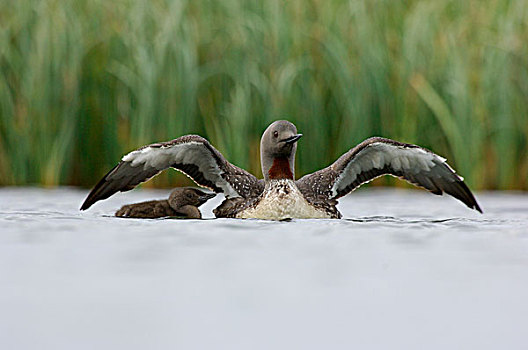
279,196
182,202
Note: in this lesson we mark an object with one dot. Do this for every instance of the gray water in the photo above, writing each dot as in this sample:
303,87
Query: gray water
404,270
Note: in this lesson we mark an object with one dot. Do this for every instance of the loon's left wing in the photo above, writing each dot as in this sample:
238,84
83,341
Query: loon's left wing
378,156
191,154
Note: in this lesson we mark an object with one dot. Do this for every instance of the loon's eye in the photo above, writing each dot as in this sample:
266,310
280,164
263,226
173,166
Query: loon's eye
275,134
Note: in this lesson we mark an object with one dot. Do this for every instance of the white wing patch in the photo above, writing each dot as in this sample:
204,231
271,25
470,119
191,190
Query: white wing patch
378,155
195,153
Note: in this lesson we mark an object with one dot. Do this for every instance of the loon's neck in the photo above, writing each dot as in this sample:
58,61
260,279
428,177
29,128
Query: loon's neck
280,169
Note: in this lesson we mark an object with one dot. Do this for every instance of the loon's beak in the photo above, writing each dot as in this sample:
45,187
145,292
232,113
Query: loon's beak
292,139
206,196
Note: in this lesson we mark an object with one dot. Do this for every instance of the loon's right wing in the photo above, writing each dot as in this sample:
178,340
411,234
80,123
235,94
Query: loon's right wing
378,156
191,154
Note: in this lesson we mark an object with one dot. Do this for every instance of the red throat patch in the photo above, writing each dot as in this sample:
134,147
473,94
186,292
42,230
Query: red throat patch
280,169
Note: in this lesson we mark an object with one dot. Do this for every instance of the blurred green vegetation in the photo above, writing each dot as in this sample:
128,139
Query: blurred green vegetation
84,81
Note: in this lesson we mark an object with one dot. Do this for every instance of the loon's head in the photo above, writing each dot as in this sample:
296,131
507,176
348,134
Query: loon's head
277,150
183,196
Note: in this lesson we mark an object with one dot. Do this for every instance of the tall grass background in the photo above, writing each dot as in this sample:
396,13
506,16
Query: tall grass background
84,81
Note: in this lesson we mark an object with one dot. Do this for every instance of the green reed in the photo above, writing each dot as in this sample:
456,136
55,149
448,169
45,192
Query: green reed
84,81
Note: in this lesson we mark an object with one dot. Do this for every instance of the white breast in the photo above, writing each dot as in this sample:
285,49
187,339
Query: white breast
281,200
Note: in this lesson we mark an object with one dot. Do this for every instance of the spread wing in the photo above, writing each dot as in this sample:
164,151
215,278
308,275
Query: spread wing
378,156
191,154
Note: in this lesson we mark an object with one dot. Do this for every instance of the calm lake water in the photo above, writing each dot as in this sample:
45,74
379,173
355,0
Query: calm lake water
404,270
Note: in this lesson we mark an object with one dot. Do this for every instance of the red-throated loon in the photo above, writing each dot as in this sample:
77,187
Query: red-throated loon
183,202
279,196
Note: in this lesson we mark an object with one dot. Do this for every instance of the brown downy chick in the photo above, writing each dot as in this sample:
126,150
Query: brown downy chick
186,200
182,202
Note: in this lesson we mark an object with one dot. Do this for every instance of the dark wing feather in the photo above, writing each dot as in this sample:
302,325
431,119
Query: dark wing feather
191,154
378,156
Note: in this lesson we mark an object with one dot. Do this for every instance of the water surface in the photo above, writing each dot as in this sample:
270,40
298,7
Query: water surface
403,270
